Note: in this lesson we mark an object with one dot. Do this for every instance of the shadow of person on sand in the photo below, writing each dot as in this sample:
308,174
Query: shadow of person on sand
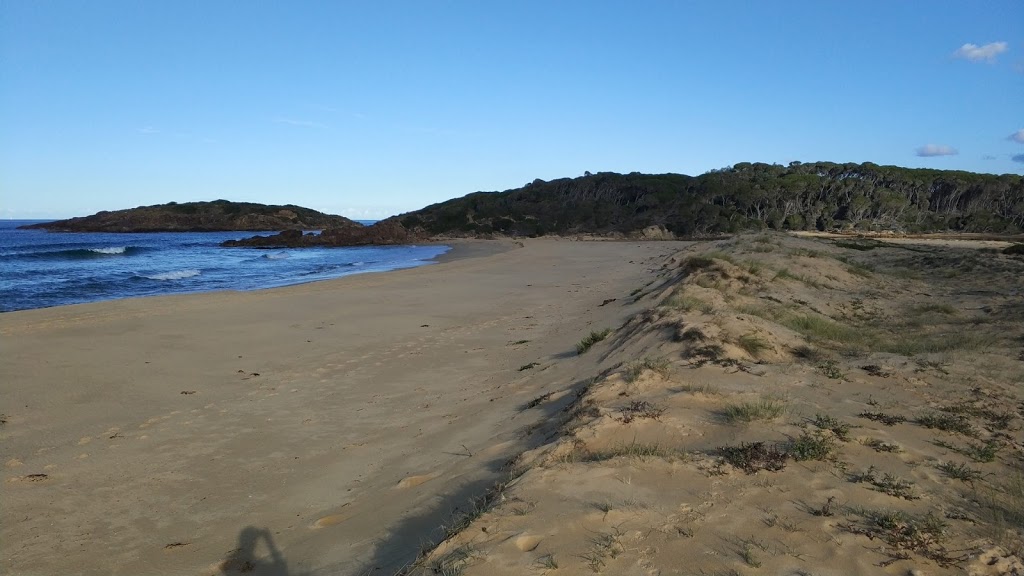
246,559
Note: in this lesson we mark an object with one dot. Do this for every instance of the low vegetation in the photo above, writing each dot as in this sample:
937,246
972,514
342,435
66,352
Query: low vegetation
593,338
763,409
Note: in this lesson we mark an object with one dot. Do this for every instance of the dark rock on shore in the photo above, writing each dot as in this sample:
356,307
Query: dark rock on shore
382,233
216,216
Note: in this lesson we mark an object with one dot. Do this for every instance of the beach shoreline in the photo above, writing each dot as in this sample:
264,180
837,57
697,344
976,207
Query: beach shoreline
345,416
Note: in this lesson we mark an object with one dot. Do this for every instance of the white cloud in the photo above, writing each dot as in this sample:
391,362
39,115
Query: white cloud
929,150
976,53
294,122
1017,136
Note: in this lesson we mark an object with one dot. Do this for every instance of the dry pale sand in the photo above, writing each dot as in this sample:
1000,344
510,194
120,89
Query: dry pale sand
328,428
781,406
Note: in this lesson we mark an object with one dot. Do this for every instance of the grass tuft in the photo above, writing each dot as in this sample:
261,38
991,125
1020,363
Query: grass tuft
882,417
680,301
635,369
812,446
961,471
947,423
755,456
640,409
752,344
763,409
840,430
593,338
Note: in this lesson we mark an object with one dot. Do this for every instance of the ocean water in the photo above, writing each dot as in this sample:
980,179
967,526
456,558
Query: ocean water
39,269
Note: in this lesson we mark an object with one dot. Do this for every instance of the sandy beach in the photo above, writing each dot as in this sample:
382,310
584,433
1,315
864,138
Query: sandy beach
346,420
762,404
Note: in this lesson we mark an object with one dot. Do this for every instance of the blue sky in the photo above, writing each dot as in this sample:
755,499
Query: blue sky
368,109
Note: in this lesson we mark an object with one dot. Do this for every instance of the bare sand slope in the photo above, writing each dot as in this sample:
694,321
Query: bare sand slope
343,421
783,406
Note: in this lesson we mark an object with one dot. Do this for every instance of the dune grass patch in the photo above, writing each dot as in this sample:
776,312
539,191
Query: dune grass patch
754,456
589,340
659,365
752,344
745,412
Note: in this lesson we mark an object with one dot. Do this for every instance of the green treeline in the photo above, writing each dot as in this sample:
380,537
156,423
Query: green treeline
813,196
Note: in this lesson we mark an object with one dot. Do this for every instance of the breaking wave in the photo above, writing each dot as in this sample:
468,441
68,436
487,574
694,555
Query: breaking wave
176,275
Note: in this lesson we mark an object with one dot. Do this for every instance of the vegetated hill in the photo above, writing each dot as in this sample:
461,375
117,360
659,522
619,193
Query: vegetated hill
219,215
813,196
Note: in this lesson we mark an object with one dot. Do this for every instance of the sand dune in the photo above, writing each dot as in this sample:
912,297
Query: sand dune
783,406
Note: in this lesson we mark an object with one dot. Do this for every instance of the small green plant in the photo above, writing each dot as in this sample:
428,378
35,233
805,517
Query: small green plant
547,562
593,338
635,369
996,420
895,486
880,446
819,328
826,508
539,400
840,430
947,423
961,472
814,446
887,419
453,563
831,370
698,262
920,534
752,344
528,366
805,352
784,274
869,476
518,342
755,456
681,301
705,389
633,449
640,409
984,452
763,409
977,451
747,554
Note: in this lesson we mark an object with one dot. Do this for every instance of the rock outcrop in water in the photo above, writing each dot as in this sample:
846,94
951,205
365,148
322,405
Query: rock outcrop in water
388,232
219,215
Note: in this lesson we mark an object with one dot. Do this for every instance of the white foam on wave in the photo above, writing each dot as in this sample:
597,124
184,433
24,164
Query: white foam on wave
176,275
112,250
280,256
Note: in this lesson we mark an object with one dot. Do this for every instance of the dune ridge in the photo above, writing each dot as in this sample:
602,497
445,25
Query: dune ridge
781,405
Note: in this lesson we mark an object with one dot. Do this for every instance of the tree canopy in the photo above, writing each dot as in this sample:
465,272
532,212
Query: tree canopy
812,196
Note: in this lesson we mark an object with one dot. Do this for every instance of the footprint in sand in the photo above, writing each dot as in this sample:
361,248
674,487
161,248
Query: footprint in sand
410,481
528,543
332,519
